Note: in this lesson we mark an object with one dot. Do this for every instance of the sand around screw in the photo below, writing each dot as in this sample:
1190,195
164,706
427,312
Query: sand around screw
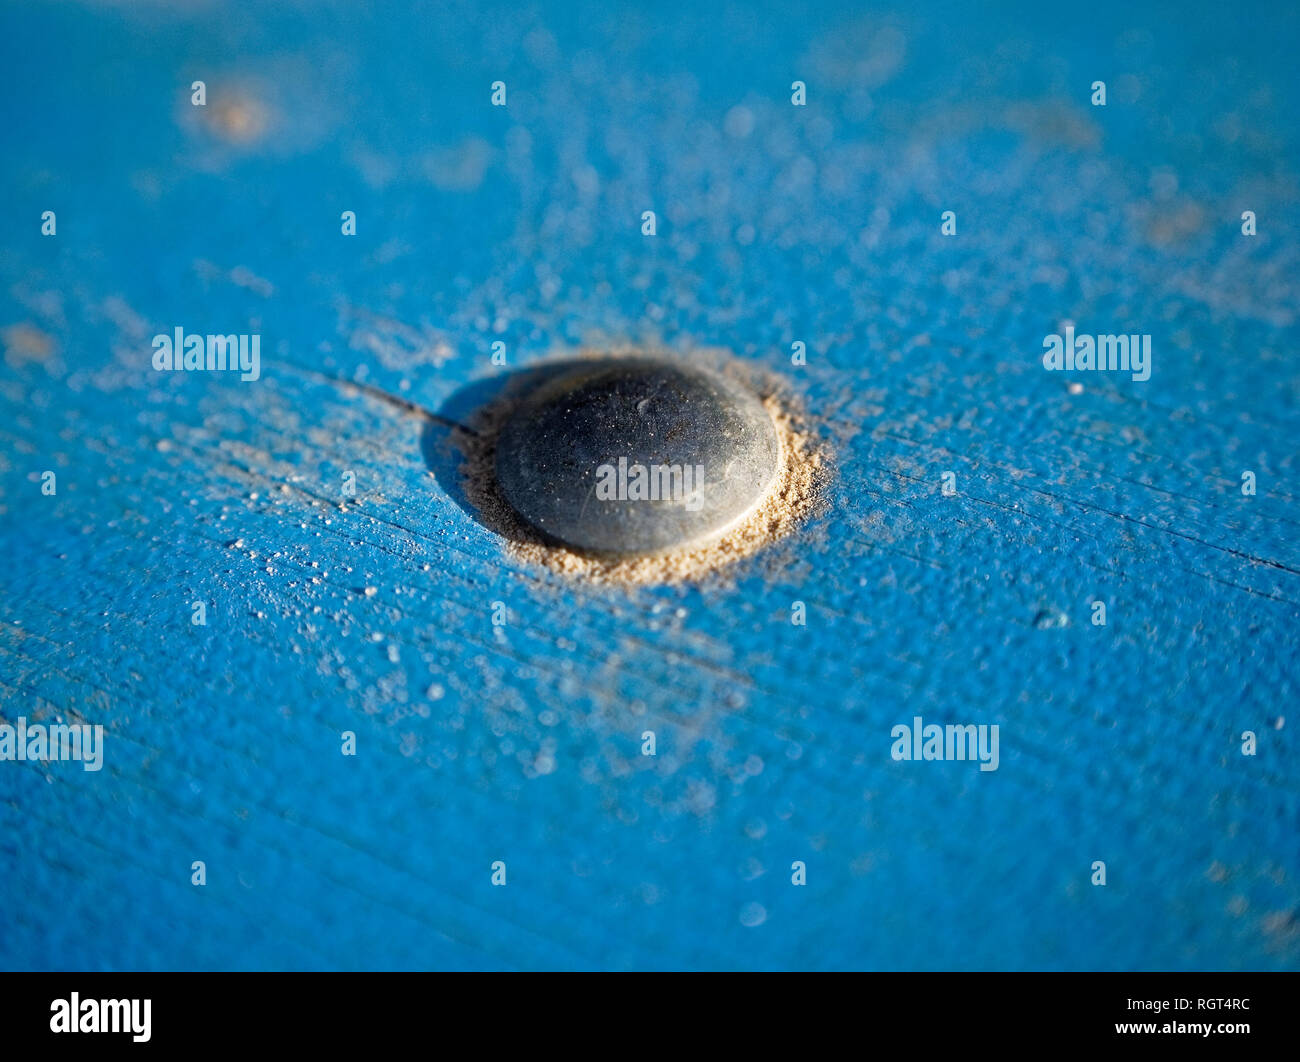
796,492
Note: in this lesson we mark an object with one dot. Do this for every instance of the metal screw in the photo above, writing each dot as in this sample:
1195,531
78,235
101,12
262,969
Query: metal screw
636,456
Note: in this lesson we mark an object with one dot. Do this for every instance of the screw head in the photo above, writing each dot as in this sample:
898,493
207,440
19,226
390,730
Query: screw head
636,456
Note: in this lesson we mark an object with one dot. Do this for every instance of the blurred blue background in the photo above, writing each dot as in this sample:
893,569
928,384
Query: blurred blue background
776,224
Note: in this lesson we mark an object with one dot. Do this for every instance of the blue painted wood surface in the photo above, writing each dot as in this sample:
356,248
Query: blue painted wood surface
819,224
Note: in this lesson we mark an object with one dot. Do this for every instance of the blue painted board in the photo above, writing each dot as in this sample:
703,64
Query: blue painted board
522,224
